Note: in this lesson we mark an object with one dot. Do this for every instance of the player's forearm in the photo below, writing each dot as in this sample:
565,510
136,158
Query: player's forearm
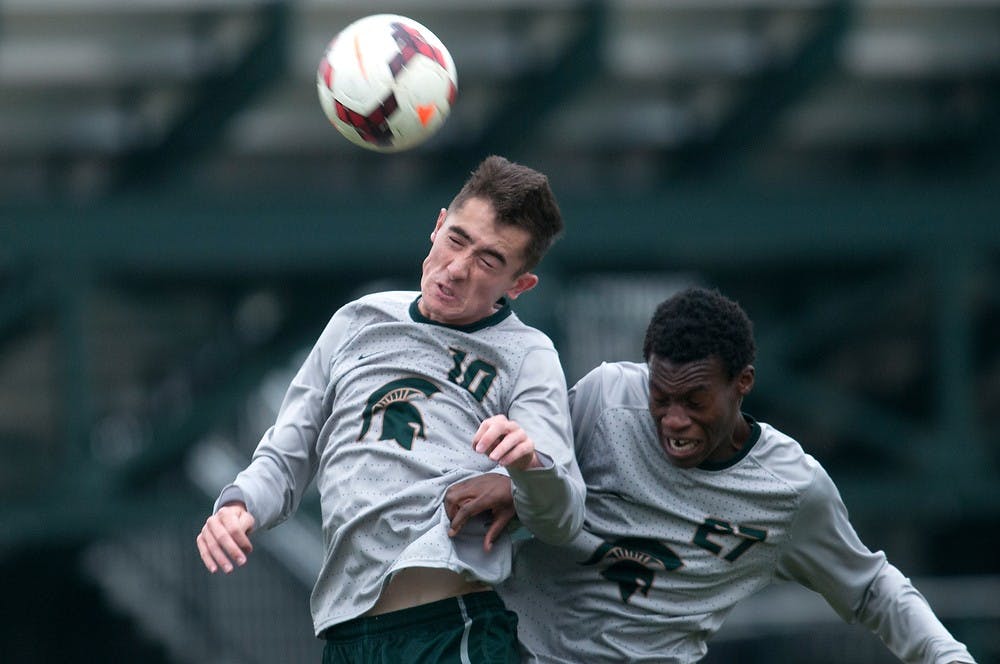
269,488
896,611
549,501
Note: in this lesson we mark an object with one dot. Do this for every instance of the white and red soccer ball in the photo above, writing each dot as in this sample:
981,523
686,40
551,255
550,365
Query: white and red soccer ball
386,82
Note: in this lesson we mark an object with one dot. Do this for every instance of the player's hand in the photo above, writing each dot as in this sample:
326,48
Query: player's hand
490,492
223,540
505,442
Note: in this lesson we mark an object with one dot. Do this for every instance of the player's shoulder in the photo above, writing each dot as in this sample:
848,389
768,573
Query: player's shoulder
397,297
620,383
615,372
533,337
784,458
393,303
356,315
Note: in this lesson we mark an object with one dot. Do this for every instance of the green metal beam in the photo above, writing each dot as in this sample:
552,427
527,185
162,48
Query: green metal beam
73,366
679,228
955,308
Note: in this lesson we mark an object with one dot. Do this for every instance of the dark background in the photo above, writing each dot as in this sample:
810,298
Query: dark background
178,221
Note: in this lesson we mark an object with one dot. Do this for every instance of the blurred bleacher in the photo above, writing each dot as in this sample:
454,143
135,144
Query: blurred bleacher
178,220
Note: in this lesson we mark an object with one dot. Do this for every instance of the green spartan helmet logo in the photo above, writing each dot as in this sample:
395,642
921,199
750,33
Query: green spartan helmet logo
401,421
633,563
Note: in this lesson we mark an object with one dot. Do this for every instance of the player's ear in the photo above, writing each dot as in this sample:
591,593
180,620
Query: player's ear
522,284
744,382
442,215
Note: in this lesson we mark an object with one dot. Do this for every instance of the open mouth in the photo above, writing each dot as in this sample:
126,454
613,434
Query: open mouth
445,292
681,447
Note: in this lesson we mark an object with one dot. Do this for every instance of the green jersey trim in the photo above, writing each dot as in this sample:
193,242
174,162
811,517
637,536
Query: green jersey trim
751,441
503,312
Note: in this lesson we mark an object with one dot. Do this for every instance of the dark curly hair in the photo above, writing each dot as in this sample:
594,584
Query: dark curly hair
698,323
521,197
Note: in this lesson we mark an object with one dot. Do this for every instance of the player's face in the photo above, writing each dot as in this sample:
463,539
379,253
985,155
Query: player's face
473,262
696,409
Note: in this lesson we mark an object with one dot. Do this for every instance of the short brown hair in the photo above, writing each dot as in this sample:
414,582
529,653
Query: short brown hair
521,197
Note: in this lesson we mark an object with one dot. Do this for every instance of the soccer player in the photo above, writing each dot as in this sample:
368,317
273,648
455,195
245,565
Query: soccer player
692,506
404,394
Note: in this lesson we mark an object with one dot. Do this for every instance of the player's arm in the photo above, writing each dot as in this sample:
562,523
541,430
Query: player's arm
489,492
827,556
493,493
548,491
267,491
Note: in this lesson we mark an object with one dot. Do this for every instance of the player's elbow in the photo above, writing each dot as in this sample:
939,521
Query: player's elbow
551,506
559,524
565,529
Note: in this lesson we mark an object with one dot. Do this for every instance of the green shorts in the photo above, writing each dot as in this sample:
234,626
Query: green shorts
470,629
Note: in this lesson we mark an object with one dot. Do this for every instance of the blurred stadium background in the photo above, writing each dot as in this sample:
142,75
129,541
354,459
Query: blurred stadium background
178,221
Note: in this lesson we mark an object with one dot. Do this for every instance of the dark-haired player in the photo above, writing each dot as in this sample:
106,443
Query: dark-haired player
404,394
692,506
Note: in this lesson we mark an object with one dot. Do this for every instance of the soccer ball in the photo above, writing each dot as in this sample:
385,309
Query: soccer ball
386,82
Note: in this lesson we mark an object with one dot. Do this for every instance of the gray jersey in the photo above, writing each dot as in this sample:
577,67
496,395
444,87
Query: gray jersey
382,414
666,553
